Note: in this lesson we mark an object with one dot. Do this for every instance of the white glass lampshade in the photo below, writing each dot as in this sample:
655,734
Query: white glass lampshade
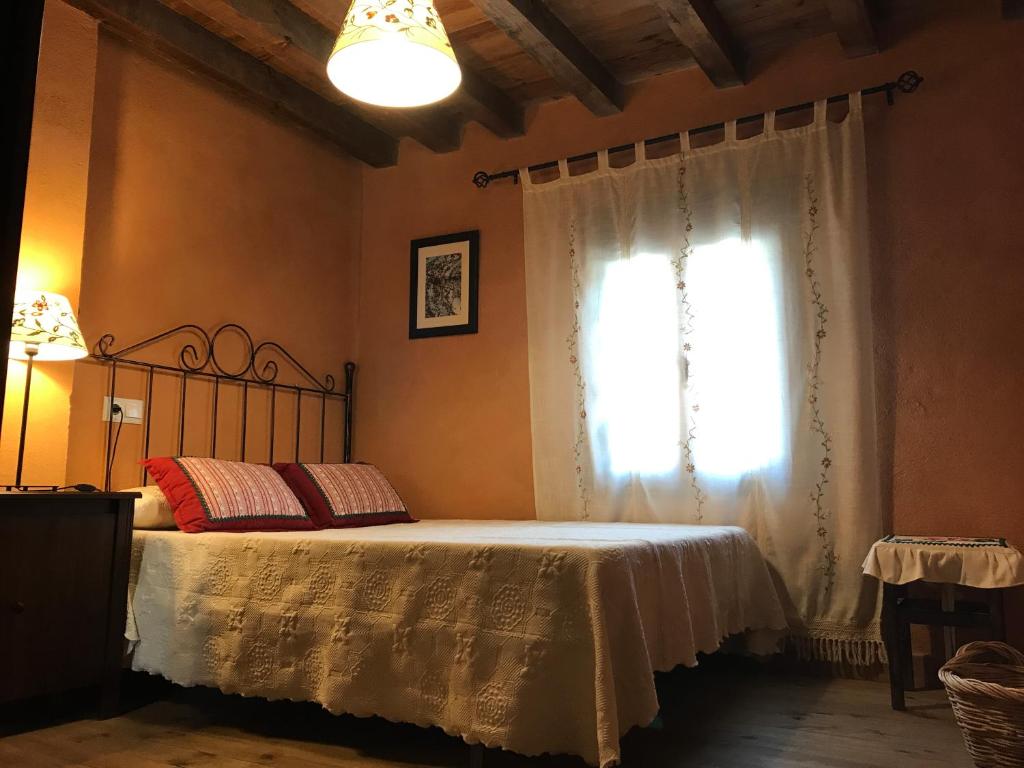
394,53
44,321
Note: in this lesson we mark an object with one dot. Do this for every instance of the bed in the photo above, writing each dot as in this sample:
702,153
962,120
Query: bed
534,637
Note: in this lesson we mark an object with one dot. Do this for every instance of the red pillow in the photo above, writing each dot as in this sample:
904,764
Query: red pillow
345,495
217,495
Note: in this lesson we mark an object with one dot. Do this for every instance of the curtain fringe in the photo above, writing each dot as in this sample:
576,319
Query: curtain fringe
835,650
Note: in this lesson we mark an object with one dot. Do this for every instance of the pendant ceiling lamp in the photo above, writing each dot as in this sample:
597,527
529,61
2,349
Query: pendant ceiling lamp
394,53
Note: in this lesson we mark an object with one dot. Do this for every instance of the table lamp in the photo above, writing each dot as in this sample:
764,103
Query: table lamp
44,328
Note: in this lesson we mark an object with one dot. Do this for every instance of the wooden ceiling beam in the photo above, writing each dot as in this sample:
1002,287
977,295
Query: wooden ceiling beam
284,25
701,28
1013,9
284,21
157,27
552,45
489,106
432,127
852,22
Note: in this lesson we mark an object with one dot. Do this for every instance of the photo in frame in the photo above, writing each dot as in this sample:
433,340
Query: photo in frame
444,277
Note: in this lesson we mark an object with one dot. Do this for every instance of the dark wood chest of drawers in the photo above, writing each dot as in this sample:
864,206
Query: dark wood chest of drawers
64,560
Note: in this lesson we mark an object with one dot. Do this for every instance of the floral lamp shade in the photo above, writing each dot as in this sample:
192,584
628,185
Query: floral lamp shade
45,327
394,53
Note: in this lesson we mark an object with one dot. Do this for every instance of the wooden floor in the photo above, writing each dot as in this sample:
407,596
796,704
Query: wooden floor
723,716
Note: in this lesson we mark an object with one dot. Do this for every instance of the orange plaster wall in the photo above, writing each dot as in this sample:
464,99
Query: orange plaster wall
53,232
449,418
205,209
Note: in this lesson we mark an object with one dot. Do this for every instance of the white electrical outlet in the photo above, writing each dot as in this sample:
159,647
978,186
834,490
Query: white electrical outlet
132,410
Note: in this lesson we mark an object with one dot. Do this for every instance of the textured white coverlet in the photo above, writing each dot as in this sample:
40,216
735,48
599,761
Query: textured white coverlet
536,637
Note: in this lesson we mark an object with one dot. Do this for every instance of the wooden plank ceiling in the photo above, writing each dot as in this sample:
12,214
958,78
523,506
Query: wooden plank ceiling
512,52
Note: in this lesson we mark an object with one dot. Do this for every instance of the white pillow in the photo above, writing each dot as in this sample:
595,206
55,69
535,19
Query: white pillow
152,510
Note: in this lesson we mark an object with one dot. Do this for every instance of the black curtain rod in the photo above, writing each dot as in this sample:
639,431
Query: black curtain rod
905,83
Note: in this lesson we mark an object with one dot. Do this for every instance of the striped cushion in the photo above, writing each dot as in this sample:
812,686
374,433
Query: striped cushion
217,495
345,495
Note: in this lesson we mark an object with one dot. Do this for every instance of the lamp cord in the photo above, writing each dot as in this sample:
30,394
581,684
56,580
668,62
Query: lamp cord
115,408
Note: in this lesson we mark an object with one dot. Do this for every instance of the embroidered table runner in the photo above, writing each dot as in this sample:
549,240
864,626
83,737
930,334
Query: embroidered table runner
985,563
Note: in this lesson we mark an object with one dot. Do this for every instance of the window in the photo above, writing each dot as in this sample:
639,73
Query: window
637,397
737,358
736,363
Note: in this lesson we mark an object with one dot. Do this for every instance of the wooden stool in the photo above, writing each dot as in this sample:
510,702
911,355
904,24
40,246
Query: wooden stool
989,564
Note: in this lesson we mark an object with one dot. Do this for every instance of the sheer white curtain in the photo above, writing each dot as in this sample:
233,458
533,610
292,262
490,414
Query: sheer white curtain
700,352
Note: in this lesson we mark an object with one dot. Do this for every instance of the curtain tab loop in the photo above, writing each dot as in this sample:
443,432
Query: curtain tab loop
684,141
524,177
730,131
856,103
602,160
563,169
769,122
819,112
640,151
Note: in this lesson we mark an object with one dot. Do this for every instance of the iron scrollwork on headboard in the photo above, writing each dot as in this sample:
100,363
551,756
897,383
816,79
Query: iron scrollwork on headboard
259,367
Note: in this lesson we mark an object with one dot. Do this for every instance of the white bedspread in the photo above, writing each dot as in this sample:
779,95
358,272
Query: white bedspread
535,637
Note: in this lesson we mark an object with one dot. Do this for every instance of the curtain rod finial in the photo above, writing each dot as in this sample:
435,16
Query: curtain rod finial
909,81
481,179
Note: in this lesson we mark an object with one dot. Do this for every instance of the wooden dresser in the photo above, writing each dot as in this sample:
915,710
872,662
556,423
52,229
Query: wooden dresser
64,560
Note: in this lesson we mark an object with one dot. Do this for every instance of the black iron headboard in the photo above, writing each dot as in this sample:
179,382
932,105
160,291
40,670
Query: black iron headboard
197,359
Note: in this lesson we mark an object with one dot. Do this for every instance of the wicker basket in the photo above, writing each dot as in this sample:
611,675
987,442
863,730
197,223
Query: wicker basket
985,684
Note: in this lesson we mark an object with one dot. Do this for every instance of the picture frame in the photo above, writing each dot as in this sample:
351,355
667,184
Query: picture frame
443,285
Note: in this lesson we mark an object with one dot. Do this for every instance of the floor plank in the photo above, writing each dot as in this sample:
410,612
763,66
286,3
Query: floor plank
723,715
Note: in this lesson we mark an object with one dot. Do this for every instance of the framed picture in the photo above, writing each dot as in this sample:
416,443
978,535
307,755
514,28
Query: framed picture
443,285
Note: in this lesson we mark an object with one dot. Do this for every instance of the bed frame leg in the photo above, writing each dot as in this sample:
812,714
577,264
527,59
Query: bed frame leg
476,756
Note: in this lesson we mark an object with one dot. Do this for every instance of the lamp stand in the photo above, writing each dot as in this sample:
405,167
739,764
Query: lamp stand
30,351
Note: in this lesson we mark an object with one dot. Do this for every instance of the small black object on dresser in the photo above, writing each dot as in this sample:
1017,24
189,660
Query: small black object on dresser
64,560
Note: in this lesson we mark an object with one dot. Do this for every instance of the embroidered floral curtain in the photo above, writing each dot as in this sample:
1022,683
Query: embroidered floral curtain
700,352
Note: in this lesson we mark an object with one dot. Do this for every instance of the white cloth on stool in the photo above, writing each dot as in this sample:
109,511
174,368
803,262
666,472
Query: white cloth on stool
985,563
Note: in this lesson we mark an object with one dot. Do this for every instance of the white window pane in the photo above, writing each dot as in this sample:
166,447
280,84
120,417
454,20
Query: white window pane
736,363
636,365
